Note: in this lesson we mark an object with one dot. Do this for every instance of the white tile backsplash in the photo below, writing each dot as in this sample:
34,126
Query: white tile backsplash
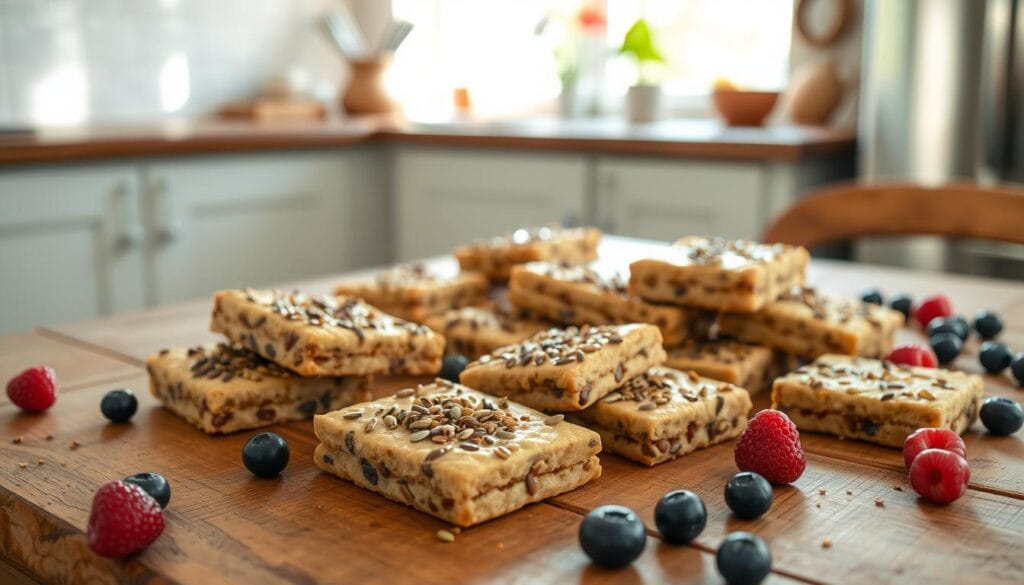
68,61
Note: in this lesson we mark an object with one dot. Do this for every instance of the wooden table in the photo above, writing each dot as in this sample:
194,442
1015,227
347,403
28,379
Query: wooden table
225,526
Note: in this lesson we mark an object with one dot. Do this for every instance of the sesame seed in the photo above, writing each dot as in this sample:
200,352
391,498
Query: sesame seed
445,536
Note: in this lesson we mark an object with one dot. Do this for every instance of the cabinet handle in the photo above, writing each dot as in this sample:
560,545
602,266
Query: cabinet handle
129,232
168,229
609,184
570,219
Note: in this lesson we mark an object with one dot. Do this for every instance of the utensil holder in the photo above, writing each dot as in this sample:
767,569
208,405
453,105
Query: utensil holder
365,92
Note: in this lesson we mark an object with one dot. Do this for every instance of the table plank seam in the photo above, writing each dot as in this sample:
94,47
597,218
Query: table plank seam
90,346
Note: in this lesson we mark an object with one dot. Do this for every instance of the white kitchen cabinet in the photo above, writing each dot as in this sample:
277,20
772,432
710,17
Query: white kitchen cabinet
446,197
259,220
667,199
70,244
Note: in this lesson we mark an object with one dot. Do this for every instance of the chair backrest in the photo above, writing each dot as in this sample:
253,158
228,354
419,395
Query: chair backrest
843,212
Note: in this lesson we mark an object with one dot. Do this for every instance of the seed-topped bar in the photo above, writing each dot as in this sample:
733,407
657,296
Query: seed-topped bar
325,337
596,294
665,413
567,369
475,331
746,365
808,323
416,292
456,453
876,401
222,389
495,257
719,274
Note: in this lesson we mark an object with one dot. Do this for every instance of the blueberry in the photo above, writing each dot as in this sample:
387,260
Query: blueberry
902,303
743,559
153,484
994,356
748,495
872,295
1017,368
680,516
955,325
452,366
612,536
119,405
265,455
987,324
946,346
1001,416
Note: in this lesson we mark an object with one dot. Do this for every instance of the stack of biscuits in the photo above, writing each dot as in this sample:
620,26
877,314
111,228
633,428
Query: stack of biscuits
287,357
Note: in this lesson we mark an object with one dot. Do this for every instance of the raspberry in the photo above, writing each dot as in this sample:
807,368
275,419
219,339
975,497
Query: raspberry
770,446
33,390
124,520
928,438
939,476
932,307
912,354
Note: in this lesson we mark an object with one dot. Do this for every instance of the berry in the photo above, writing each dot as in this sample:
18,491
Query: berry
932,307
33,390
994,356
748,495
680,516
153,484
452,366
947,346
913,355
929,438
873,296
955,325
987,324
770,446
904,304
743,559
124,519
1017,368
1001,416
265,455
119,405
939,476
612,536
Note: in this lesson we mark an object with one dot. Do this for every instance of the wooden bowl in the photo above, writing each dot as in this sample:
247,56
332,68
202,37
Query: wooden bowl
744,108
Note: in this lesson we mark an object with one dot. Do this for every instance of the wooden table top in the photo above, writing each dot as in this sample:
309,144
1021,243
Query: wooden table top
225,526
674,138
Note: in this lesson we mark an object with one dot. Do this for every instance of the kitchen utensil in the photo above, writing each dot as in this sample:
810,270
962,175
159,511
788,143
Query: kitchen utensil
395,35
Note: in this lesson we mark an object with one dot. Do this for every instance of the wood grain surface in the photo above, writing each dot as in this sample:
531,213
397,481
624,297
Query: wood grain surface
224,526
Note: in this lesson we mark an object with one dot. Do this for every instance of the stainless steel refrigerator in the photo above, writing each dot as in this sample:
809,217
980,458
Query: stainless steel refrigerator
942,97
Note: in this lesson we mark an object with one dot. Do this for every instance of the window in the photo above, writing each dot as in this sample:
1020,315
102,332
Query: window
491,47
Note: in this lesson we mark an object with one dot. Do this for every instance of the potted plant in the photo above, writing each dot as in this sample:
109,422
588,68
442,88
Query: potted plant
578,45
644,98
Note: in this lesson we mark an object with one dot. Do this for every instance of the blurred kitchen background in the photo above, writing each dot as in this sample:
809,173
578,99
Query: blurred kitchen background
152,151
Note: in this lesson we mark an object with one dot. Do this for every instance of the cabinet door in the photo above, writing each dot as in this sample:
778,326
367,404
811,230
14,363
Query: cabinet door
450,197
665,200
260,220
69,244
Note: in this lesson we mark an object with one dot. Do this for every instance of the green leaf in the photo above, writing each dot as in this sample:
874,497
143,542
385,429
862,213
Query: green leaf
640,44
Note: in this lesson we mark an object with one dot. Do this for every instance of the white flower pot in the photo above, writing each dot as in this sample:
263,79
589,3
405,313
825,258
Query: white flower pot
643,103
569,102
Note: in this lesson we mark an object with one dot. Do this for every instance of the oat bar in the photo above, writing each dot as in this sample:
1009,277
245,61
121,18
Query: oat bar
567,369
743,364
808,323
222,389
495,257
325,337
475,331
876,401
719,274
415,292
456,453
596,294
665,413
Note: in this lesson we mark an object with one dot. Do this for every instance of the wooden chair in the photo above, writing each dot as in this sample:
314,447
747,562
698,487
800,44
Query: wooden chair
844,212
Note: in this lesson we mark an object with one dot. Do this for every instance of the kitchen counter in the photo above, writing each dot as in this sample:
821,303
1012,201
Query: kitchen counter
671,138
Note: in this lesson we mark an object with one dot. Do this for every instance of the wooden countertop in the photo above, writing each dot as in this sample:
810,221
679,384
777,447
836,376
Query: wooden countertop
307,526
682,138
